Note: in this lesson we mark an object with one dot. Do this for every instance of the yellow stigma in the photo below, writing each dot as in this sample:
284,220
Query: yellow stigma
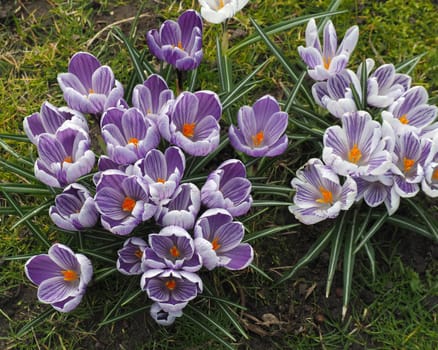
435,174
215,243
355,154
91,91
408,164
180,45
70,275
134,141
258,138
170,284
174,251
326,196
221,4
138,253
68,159
188,129
128,204
160,180
403,119
326,62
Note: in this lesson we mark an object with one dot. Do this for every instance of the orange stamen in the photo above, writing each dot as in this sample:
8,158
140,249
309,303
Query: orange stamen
326,196
171,284
403,119
435,174
160,180
221,4
134,141
408,164
180,45
70,275
215,243
139,254
188,129
326,62
355,154
258,138
91,91
128,204
68,159
174,251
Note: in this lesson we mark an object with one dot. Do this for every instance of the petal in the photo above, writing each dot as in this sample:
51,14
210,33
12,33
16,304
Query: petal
83,65
40,268
240,257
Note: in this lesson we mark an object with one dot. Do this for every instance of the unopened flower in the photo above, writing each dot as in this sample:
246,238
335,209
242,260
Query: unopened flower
227,187
261,128
122,201
49,119
88,86
130,256
319,193
163,318
74,209
329,59
192,122
61,276
178,43
64,157
218,240
128,135
217,11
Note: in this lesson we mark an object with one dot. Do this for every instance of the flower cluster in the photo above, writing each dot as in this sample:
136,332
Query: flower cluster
387,144
140,176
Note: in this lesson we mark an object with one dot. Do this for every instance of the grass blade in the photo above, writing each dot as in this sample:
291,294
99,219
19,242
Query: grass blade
36,321
31,214
424,217
408,66
261,272
224,67
124,315
268,232
268,203
369,249
26,189
17,170
373,230
415,227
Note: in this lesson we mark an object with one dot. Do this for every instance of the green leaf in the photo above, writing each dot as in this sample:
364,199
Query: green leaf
15,137
408,66
293,94
369,249
364,85
311,254
372,231
18,257
35,322
104,273
101,257
268,232
309,114
200,163
11,151
31,214
430,222
261,272
414,227
316,132
123,316
13,168
224,67
268,203
26,189
238,96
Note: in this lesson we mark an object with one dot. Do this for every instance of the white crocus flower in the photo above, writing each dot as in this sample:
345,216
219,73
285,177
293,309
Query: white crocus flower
217,11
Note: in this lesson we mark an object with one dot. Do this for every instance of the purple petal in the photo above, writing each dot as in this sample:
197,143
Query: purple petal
83,65
240,257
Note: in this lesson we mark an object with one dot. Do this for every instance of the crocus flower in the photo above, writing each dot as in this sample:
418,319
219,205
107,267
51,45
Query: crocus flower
192,122
182,209
217,11
162,317
356,148
152,97
319,194
49,119
171,289
64,157
61,276
162,172
429,185
128,135
330,59
261,128
218,241
123,201
227,187
88,86
411,111
130,256
178,43
74,209
172,248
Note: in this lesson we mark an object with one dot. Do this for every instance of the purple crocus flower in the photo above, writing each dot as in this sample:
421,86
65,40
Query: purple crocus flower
356,148
411,111
171,289
152,97
330,59
162,172
172,248
123,201
162,317
182,208
61,276
88,86
192,122
74,209
178,43
227,187
429,185
64,157
130,256
261,128
49,119
128,135
319,194
218,241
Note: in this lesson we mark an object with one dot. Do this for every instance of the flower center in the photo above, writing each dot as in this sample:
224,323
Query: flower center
139,254
134,141
174,251
403,119
161,180
180,46
91,91
258,138
171,284
408,164
215,243
221,4
435,174
326,196
70,275
68,159
355,154
128,204
326,62
188,129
